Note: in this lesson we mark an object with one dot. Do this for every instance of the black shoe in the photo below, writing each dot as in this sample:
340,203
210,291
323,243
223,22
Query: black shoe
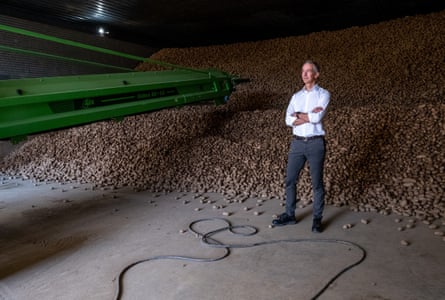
284,219
316,225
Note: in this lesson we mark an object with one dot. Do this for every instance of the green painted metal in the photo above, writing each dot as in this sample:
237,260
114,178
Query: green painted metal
91,48
59,57
35,105
29,106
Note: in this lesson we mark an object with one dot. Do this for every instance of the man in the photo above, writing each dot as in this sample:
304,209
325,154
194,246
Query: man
304,114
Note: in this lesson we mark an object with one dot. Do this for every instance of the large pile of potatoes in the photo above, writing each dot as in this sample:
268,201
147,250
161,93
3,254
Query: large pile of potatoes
385,125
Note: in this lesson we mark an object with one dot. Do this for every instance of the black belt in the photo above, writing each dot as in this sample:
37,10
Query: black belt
307,138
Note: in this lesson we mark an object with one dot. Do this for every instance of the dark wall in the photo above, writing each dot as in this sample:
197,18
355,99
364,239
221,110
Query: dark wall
14,64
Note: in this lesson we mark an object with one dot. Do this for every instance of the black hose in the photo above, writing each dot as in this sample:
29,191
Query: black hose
206,239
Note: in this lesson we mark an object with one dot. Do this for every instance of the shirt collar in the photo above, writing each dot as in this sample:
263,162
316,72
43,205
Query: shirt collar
314,89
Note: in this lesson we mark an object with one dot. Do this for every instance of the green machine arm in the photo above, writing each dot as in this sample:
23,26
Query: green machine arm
34,105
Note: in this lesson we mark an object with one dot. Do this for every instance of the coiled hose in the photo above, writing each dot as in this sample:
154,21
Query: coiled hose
243,230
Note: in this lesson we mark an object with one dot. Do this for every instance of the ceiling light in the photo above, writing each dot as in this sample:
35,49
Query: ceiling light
102,31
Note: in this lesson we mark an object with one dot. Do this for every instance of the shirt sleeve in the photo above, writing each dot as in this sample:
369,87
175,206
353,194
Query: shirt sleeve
290,110
323,102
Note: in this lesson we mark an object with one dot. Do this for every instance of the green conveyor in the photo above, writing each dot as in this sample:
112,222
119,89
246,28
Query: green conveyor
34,105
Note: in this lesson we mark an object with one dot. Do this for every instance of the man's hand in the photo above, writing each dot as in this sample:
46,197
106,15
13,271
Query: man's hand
317,109
298,121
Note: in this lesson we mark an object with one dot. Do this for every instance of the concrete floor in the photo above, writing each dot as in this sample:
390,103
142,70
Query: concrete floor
70,241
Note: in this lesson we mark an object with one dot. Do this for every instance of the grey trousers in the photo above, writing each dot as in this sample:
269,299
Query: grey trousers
312,151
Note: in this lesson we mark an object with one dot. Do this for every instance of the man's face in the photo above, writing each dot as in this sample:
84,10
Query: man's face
308,74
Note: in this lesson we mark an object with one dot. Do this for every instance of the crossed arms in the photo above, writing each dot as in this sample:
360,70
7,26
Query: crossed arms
302,118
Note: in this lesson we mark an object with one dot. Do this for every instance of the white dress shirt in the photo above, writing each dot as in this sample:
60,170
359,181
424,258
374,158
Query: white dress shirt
305,101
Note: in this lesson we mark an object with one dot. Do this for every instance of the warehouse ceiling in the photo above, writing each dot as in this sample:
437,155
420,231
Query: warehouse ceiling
183,23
